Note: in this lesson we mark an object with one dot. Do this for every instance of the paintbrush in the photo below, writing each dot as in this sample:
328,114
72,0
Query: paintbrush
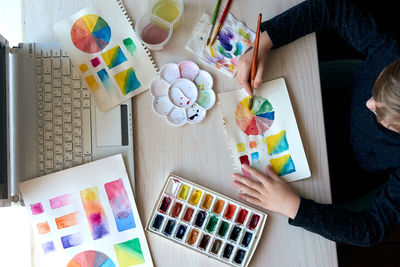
214,18
254,62
221,20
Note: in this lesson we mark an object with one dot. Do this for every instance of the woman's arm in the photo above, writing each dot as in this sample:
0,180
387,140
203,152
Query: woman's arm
355,26
364,228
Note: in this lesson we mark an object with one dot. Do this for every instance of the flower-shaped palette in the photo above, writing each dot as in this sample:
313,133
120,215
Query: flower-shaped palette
182,93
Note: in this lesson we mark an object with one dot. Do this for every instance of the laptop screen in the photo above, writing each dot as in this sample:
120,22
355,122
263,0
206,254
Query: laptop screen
3,123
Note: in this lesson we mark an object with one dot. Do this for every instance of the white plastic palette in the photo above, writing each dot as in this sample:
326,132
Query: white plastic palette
207,222
182,93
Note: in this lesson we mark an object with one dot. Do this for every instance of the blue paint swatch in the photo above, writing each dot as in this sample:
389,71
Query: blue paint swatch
71,240
255,156
105,79
48,247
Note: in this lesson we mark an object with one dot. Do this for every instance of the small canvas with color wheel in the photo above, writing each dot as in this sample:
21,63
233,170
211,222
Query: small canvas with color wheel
108,55
266,134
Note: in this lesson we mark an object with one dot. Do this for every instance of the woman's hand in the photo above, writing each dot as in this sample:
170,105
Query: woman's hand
268,191
244,64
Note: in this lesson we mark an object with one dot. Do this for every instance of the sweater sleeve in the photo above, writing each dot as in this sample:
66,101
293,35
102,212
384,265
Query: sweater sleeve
357,28
364,228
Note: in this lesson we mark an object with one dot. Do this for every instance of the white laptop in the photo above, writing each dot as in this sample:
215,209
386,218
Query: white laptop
48,121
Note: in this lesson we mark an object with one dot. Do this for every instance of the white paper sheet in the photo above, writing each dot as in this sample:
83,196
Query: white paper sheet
67,218
267,134
88,35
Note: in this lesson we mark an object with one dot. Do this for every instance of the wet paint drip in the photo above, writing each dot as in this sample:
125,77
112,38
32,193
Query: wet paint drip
207,200
169,227
188,214
157,222
241,217
165,204
255,218
180,233
192,237
218,206
230,211
212,224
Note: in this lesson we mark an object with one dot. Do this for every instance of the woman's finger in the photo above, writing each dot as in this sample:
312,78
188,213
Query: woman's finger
248,182
251,200
261,177
272,174
246,189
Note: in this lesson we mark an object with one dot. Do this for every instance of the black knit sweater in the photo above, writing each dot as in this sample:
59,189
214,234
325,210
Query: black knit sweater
375,147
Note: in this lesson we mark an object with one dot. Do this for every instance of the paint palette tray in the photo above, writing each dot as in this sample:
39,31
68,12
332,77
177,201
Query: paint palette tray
207,222
182,93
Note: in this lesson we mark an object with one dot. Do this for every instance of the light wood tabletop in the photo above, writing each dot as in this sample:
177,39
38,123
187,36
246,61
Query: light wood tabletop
200,152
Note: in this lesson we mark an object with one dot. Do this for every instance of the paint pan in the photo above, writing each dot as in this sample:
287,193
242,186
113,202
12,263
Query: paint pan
207,222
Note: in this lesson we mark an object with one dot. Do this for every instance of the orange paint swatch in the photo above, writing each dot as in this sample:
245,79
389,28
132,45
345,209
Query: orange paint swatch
67,220
43,228
253,144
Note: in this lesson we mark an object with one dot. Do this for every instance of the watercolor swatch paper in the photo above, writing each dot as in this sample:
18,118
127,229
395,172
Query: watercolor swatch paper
86,216
111,59
233,40
265,135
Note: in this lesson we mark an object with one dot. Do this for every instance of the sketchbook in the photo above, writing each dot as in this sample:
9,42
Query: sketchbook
86,216
265,135
102,44
233,41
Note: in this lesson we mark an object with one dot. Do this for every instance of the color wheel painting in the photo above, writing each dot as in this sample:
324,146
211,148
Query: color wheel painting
90,34
91,258
266,134
257,120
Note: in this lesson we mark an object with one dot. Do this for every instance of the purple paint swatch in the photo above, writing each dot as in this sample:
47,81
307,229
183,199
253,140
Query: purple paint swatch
225,39
37,208
71,240
48,247
95,62
60,201
120,205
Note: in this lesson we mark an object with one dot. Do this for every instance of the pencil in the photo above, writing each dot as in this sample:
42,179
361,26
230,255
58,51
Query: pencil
254,61
214,18
221,20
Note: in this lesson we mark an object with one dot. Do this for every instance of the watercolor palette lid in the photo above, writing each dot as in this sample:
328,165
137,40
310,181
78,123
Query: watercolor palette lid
182,93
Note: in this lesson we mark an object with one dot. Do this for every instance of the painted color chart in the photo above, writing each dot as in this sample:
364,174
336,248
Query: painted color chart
101,42
87,216
265,135
207,222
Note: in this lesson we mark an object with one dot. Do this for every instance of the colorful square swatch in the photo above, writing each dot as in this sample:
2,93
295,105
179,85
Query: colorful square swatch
283,165
105,79
95,62
240,147
277,143
83,68
71,240
127,81
48,247
114,57
43,228
91,82
60,201
37,208
129,253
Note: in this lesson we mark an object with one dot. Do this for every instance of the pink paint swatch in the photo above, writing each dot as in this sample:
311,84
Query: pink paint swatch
60,201
37,208
95,62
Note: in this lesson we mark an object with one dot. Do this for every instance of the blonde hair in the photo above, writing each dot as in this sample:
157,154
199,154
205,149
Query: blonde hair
386,91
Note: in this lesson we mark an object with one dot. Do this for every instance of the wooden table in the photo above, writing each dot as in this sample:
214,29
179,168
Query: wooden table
200,152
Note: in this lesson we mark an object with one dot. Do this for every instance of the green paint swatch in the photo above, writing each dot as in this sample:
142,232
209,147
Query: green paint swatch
130,46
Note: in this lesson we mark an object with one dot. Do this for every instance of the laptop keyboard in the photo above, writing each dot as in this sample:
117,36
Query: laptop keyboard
63,113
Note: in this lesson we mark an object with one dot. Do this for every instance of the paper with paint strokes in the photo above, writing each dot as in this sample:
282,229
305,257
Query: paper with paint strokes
85,214
267,134
233,40
108,56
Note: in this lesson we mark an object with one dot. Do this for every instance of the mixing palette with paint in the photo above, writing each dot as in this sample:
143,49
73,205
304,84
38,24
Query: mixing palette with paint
182,93
207,222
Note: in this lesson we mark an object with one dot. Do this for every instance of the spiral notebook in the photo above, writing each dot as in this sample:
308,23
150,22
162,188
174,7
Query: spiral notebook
101,42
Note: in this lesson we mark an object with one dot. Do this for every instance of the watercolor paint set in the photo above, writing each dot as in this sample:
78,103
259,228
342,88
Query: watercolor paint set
207,222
